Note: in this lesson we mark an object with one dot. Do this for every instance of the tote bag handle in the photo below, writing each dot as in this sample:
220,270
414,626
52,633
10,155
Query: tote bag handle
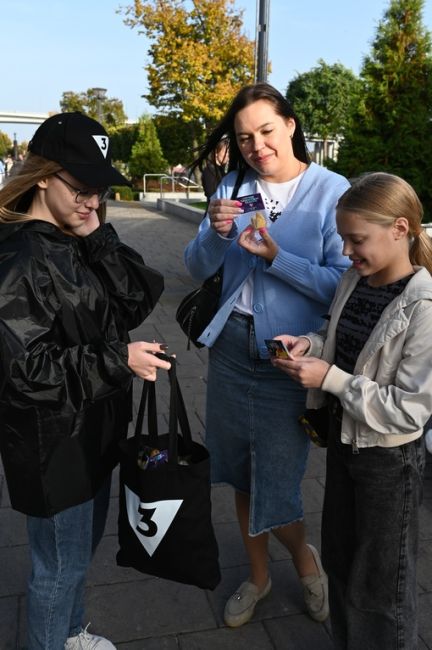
177,414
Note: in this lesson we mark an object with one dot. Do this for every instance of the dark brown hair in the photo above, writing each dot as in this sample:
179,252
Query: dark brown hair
225,129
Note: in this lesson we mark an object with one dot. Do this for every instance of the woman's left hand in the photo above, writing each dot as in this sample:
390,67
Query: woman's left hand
266,248
308,371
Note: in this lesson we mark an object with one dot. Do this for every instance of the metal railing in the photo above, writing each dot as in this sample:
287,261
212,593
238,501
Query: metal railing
175,180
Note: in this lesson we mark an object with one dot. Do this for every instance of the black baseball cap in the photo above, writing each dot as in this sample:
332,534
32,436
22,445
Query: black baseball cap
80,145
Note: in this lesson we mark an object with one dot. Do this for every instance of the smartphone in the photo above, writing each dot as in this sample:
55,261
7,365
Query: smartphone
278,349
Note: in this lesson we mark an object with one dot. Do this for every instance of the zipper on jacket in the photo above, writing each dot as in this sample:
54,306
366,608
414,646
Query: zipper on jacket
189,329
355,449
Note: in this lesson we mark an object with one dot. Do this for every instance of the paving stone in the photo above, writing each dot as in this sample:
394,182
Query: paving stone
9,608
115,482
426,520
22,624
147,608
231,549
161,643
223,506
14,570
424,566
2,487
298,633
424,613
249,637
4,494
422,645
111,524
316,466
104,569
313,528
189,372
313,495
13,529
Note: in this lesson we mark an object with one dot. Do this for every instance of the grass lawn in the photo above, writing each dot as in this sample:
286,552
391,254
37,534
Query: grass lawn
200,205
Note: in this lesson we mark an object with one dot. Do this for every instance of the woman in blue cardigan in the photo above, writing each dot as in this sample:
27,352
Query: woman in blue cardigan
279,279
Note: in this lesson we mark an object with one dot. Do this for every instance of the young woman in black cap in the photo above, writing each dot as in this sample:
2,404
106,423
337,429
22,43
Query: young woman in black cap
70,292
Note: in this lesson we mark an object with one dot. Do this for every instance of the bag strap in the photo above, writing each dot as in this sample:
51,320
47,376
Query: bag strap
239,181
214,282
177,413
147,389
234,193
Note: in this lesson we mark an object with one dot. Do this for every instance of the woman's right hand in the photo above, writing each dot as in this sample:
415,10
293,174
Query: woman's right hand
143,361
222,213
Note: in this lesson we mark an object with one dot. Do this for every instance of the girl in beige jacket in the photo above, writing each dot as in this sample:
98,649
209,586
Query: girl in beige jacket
372,365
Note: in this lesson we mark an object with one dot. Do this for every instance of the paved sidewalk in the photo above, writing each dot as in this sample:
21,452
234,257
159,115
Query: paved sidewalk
140,612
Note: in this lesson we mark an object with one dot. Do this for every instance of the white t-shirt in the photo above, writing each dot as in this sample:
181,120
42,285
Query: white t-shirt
276,197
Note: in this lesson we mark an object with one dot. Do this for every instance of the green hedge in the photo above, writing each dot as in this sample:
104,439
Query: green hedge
126,193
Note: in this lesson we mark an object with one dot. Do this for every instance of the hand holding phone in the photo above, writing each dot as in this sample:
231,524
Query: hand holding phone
277,348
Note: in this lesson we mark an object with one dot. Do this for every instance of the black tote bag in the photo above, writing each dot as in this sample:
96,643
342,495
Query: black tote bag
164,524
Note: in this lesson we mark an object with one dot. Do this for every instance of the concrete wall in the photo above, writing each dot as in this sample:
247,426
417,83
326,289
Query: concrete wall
154,196
182,210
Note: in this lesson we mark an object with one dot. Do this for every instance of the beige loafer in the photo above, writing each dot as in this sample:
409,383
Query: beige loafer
315,591
241,606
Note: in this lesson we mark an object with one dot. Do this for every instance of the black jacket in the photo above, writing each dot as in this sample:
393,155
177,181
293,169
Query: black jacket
66,306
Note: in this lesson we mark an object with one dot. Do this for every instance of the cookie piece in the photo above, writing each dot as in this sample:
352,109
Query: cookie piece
258,221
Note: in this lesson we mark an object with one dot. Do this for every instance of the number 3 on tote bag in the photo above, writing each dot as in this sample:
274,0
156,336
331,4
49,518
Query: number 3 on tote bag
165,526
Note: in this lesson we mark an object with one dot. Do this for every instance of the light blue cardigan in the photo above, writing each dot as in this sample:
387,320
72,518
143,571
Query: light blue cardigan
291,294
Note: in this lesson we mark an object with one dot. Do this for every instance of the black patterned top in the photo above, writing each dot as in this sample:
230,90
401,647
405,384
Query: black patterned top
359,316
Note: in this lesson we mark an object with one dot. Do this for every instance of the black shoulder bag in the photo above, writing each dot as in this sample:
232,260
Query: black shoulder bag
198,307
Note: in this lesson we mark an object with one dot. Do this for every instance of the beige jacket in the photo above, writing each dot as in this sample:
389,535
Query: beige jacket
388,399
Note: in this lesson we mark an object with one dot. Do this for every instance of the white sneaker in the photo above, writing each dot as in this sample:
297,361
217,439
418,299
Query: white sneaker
86,641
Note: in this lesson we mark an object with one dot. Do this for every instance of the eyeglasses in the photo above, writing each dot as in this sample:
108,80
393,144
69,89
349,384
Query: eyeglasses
82,195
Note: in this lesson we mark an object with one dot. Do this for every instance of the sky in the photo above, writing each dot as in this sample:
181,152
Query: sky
52,46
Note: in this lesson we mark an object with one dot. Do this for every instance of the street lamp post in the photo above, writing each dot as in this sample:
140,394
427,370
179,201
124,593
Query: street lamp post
261,40
15,147
99,93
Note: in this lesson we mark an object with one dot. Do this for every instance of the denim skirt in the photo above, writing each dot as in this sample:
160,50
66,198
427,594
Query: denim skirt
255,442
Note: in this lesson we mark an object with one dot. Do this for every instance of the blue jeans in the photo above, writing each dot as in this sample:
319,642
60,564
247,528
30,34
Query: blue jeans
61,549
370,541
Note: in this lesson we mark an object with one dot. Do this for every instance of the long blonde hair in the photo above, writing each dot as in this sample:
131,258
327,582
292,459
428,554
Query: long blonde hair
17,194
381,198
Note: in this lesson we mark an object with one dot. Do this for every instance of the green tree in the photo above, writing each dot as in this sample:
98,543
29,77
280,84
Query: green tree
323,99
122,139
108,111
5,145
146,154
199,58
176,138
391,130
